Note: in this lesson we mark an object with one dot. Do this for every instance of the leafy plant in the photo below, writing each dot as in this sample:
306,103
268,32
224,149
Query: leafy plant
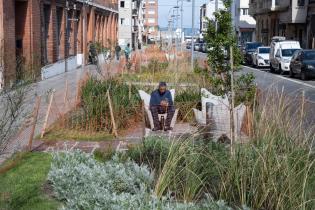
12,113
94,110
220,39
83,183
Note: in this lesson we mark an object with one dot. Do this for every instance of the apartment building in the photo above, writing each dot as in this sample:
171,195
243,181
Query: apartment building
294,19
47,37
130,23
151,19
243,23
207,12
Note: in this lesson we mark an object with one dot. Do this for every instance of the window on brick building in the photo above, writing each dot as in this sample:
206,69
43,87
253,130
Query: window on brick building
151,20
151,12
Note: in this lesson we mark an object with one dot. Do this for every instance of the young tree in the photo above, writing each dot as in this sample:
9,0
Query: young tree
220,37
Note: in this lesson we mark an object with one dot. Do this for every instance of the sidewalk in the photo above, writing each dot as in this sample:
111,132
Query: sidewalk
43,89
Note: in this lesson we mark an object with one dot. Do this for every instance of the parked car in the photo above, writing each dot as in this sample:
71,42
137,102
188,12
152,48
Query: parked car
196,46
281,52
203,47
303,64
250,48
188,45
261,57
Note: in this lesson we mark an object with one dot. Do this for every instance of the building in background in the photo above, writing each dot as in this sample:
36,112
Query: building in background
244,24
130,28
293,19
151,19
37,35
207,13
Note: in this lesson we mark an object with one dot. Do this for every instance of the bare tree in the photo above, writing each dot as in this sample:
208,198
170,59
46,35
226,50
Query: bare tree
11,113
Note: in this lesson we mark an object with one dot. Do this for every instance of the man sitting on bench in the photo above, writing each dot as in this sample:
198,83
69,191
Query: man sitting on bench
161,102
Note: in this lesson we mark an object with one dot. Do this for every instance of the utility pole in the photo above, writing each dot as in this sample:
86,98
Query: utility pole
216,10
181,25
67,36
193,34
232,123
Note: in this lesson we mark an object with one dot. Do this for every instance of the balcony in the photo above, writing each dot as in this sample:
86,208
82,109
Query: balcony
134,12
265,6
296,13
135,29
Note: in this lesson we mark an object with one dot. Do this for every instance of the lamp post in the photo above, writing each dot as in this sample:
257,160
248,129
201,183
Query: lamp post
193,34
67,44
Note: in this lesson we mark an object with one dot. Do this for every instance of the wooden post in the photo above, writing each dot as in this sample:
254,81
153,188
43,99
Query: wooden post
302,113
143,119
47,114
65,99
129,91
35,115
112,115
232,102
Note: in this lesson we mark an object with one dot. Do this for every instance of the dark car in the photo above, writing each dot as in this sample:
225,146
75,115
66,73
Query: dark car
303,64
188,45
250,48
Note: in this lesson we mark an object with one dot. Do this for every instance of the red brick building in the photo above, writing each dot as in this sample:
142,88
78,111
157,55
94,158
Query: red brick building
34,33
151,18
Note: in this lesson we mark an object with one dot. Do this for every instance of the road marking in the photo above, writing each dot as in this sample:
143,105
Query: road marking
285,78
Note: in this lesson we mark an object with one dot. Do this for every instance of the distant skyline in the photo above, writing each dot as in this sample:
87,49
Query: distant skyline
164,8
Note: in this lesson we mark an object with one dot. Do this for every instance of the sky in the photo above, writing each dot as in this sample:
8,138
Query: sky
166,5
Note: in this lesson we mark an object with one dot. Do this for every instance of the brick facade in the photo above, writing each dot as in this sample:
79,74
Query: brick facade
33,33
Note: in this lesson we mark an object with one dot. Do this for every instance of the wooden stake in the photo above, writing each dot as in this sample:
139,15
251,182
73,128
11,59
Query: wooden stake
143,120
47,114
112,115
232,101
129,91
65,99
302,113
35,115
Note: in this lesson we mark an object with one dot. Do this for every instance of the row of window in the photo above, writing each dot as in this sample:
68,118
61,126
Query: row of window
126,21
125,4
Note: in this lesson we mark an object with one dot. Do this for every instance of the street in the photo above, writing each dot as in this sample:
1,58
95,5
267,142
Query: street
291,86
266,81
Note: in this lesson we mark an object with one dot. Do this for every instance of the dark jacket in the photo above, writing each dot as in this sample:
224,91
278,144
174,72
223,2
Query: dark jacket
156,98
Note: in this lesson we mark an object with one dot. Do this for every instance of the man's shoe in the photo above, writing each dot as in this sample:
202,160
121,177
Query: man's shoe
167,128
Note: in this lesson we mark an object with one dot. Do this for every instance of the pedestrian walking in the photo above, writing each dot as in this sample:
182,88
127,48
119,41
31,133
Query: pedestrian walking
117,51
127,52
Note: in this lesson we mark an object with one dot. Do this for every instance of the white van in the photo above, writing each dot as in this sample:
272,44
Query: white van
281,52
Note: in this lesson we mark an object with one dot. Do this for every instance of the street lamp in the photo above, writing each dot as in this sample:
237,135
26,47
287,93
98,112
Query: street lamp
193,34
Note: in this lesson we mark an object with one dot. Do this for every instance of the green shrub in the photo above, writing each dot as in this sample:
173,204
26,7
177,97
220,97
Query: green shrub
153,152
83,183
185,101
94,112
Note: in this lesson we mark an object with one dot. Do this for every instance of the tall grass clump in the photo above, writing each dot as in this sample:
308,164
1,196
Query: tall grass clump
185,100
93,112
275,170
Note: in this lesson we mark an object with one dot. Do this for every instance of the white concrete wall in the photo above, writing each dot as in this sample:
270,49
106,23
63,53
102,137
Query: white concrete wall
59,67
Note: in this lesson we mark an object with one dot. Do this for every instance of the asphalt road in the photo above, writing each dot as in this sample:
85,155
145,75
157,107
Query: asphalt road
291,86
269,81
